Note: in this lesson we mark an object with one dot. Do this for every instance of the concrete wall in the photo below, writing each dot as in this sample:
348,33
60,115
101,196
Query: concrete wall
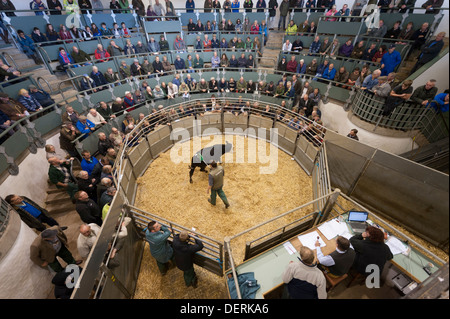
435,72
20,277
33,175
335,118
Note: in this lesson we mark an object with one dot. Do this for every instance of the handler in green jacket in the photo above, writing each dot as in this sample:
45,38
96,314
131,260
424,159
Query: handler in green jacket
156,235
215,181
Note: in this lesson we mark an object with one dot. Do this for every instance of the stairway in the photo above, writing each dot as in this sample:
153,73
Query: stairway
28,67
404,71
272,50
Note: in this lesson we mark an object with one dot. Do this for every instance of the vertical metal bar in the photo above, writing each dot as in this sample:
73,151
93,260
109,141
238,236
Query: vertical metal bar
233,269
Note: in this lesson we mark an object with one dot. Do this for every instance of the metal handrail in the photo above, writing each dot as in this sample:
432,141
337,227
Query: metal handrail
284,214
48,84
233,268
5,54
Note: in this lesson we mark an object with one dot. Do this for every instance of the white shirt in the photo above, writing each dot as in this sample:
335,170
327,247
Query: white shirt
327,261
286,47
96,120
85,244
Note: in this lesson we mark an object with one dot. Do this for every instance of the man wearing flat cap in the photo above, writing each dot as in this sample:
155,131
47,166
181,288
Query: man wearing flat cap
50,243
41,96
184,255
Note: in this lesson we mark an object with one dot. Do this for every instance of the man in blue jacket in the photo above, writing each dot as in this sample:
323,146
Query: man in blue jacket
84,125
88,162
329,73
27,46
179,63
390,60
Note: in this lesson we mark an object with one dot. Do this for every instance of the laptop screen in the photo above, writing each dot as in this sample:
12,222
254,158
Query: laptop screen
357,216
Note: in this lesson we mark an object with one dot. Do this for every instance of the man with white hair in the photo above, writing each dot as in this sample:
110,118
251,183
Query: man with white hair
116,137
95,117
172,91
371,80
118,107
87,238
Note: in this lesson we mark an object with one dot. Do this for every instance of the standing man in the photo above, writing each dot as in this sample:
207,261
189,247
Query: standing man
88,209
184,254
284,10
429,51
273,6
215,181
353,134
31,213
59,174
51,243
87,238
88,162
390,60
156,236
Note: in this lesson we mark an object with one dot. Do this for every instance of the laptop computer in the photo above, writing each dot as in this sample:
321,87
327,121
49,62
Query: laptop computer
357,221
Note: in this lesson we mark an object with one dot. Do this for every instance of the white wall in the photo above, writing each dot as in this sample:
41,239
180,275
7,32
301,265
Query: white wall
435,72
20,277
335,118
33,175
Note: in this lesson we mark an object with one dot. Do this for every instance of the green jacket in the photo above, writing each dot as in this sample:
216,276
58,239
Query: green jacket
55,175
284,8
159,246
421,94
81,56
105,113
241,86
198,64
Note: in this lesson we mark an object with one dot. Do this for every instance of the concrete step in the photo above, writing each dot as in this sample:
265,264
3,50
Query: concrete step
52,189
58,208
56,198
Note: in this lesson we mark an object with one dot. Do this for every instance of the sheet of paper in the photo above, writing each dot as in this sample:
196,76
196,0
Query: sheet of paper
346,234
290,248
309,240
396,246
333,228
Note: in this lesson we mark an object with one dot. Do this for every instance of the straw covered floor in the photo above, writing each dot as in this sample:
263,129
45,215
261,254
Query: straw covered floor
261,182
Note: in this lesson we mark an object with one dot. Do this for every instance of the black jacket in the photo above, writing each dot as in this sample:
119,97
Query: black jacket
430,50
104,145
369,252
89,212
184,252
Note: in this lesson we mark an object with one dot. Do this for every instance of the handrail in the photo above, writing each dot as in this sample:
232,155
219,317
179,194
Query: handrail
48,84
4,54
131,207
284,214
233,268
